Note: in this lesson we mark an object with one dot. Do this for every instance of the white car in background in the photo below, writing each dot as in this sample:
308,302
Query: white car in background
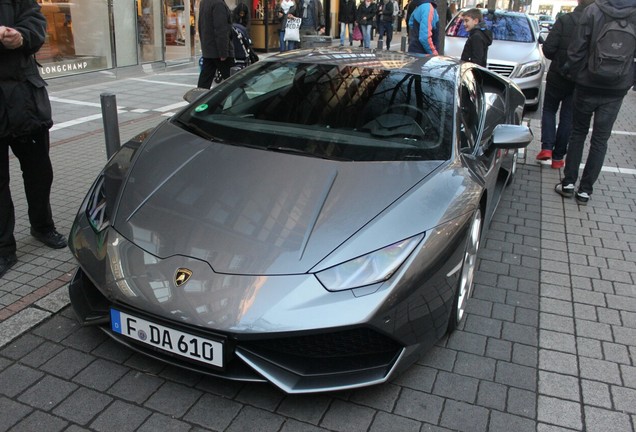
515,51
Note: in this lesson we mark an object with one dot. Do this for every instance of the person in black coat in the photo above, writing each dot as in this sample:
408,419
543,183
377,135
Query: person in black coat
559,89
346,18
25,119
217,49
479,38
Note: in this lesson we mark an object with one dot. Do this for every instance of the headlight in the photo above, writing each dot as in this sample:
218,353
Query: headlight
368,269
96,206
529,69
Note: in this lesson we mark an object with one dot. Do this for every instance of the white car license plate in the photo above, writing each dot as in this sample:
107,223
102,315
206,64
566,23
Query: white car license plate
171,340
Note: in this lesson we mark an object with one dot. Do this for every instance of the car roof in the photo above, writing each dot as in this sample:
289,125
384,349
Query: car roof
440,66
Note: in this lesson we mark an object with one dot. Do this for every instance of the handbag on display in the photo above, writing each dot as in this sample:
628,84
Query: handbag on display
357,33
292,29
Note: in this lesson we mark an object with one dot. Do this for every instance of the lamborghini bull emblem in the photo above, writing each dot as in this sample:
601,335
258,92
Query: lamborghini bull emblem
182,276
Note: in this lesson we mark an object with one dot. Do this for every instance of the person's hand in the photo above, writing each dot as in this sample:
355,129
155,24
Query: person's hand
11,38
223,58
321,30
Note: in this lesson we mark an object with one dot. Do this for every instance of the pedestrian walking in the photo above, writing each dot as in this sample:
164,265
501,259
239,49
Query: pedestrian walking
385,23
25,119
479,38
601,57
217,49
346,18
365,17
423,26
285,8
559,88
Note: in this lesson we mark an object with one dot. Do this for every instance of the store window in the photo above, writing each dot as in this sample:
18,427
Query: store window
77,37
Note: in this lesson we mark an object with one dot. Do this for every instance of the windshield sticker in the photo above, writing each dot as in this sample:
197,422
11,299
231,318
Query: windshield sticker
201,108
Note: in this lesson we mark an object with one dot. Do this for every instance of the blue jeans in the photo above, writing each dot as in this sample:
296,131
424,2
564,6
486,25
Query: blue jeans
343,28
605,110
285,45
366,35
552,137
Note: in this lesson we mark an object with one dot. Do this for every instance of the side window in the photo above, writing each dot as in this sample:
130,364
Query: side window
470,107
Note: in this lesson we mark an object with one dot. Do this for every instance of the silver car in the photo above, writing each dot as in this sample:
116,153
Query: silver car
515,51
313,221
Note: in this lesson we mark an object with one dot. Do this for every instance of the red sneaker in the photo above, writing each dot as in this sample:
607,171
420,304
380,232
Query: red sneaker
544,155
556,164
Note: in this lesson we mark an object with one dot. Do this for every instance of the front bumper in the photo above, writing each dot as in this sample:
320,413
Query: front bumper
285,329
297,363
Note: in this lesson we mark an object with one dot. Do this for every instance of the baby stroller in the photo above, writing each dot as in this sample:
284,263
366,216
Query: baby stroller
244,55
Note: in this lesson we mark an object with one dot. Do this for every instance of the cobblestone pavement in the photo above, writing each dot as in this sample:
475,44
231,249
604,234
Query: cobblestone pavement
548,344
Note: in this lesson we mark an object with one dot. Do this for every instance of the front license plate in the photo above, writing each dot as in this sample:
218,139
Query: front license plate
168,339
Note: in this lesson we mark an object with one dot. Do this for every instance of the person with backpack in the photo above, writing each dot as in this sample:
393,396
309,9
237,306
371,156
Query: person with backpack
601,61
559,88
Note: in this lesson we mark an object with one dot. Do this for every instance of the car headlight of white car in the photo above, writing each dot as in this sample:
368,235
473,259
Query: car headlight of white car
529,69
368,269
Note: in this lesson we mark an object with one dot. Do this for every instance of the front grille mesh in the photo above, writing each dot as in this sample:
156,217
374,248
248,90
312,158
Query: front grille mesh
329,353
501,69
343,343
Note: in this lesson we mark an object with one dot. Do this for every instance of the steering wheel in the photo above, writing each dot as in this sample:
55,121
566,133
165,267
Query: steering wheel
424,114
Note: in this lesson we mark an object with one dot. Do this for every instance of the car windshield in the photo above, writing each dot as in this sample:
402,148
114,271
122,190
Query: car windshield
339,112
505,27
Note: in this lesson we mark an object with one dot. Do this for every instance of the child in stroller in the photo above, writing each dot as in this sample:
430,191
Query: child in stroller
244,55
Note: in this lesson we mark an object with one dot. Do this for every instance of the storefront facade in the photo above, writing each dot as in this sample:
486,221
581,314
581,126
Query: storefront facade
93,35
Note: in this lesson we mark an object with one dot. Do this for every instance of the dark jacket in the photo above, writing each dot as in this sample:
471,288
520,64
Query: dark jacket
387,11
24,102
318,13
347,12
476,47
366,14
556,46
281,16
590,25
215,29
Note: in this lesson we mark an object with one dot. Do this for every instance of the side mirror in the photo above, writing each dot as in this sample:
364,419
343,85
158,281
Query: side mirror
194,94
511,136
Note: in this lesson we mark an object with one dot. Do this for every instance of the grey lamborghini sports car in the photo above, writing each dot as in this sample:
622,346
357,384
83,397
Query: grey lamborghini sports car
313,221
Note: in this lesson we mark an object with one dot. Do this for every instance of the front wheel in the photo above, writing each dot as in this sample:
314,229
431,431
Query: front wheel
467,275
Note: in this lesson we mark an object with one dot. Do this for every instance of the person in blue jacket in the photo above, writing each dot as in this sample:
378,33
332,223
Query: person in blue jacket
423,24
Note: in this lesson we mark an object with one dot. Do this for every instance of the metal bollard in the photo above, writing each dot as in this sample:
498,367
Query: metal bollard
403,44
111,124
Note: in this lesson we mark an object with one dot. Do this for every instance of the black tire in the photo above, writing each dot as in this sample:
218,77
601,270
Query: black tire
467,272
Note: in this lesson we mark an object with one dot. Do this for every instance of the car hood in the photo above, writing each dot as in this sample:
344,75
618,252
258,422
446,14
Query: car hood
248,211
500,51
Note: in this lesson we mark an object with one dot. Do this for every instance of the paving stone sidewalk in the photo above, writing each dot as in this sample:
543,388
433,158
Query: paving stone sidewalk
548,344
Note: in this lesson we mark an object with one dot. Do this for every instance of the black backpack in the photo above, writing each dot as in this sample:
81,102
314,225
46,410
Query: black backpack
612,53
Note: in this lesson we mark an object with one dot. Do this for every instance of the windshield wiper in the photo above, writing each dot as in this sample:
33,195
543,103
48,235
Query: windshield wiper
197,130
293,150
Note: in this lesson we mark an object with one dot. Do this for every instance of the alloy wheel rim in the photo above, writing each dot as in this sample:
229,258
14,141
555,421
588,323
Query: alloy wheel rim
469,265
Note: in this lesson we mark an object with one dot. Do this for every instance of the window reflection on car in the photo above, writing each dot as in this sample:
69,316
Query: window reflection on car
515,28
337,112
